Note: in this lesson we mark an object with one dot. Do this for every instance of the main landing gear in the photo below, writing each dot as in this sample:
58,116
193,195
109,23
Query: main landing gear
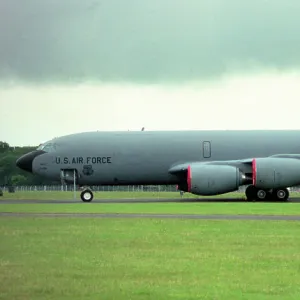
86,195
256,194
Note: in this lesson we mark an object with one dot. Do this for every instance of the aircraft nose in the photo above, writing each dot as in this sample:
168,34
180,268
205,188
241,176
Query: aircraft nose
25,161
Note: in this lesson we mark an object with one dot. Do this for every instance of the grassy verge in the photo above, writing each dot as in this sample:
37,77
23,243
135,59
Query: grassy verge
59,195
148,259
163,208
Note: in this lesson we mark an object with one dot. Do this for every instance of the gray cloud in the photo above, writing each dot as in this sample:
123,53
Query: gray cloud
134,40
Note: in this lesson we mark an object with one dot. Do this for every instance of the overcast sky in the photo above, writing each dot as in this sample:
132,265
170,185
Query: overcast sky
73,65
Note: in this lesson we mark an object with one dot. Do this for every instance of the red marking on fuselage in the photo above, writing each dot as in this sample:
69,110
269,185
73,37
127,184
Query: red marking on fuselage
189,179
254,171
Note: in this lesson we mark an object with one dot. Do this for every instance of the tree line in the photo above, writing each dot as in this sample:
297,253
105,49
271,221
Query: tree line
10,174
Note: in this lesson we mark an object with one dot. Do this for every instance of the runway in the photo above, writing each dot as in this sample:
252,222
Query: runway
155,216
118,201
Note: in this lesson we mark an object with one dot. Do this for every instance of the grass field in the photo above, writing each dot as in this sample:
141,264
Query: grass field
159,208
59,195
148,259
73,258
165,208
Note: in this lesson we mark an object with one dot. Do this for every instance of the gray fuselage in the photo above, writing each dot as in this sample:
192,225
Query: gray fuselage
107,158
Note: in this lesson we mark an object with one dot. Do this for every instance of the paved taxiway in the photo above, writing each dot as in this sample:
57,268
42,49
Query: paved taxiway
156,216
175,200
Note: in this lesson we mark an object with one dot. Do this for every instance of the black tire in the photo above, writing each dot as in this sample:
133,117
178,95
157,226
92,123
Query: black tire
86,195
261,195
255,194
281,194
251,191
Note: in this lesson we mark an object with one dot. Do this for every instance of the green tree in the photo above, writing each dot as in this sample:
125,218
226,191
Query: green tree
18,180
4,147
10,173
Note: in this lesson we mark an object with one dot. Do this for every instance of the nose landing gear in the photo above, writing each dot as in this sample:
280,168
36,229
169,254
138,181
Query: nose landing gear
86,195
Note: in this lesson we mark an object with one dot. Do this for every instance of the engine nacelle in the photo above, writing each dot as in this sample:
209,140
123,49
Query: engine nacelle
213,180
274,173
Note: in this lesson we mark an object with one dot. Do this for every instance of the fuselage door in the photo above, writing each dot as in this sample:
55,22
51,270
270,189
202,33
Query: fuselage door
69,175
206,149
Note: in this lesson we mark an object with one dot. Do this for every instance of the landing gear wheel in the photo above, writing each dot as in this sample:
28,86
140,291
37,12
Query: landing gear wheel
261,194
253,194
251,191
86,195
281,194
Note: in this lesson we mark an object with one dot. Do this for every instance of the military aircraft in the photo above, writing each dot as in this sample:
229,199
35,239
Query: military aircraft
207,162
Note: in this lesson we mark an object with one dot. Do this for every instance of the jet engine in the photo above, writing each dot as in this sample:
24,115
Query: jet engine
213,180
274,173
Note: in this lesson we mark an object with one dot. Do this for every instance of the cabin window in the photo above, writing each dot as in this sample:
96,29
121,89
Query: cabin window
206,149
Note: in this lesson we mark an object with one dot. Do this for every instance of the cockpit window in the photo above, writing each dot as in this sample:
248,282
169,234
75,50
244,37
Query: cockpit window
40,147
49,147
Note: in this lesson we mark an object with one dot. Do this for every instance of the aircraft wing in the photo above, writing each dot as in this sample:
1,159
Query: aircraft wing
245,165
212,177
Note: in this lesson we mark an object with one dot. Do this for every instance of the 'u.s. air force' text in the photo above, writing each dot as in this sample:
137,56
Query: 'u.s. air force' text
84,160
